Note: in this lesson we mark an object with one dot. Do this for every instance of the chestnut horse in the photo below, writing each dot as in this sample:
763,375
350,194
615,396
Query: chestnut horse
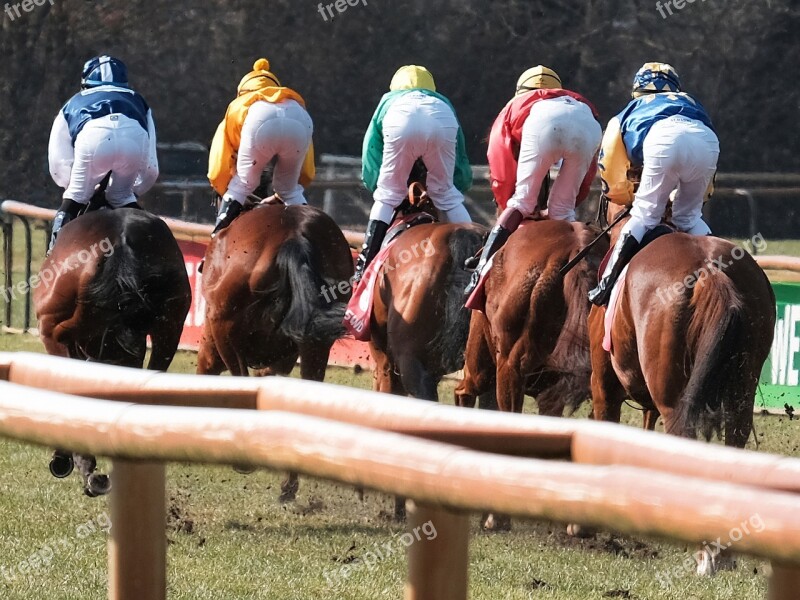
113,278
271,284
532,336
693,327
419,323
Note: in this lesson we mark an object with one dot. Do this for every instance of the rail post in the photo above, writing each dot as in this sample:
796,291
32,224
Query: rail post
438,563
784,582
137,550
8,264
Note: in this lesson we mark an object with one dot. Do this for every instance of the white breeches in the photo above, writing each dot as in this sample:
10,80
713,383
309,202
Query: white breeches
112,143
419,126
281,130
680,155
556,129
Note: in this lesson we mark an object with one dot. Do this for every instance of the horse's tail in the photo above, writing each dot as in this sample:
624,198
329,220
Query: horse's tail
452,337
716,326
308,315
119,291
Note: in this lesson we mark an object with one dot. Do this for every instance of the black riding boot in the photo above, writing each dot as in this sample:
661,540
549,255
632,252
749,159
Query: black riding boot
506,225
600,295
68,210
376,231
228,211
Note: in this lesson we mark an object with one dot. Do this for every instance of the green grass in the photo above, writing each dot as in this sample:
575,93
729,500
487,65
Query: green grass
230,538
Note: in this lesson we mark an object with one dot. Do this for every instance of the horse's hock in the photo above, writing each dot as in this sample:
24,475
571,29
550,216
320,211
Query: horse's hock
491,461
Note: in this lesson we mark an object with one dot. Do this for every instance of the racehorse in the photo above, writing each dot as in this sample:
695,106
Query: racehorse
273,284
113,278
693,327
532,336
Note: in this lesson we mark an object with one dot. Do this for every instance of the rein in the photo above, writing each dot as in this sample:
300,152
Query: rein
582,254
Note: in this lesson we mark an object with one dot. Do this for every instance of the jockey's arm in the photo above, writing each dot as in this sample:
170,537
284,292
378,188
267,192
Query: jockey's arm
372,151
586,185
462,177
60,151
148,177
613,165
221,160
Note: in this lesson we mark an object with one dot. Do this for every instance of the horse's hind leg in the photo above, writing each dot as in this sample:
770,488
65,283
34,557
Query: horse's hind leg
94,484
166,337
417,380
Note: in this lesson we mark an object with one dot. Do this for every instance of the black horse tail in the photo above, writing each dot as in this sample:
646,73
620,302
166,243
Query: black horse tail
717,374
309,315
119,292
451,340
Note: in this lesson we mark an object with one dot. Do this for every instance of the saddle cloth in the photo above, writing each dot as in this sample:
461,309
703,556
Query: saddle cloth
358,316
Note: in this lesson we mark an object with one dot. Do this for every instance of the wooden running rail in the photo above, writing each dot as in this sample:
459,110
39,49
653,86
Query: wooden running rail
779,263
182,230
581,441
441,478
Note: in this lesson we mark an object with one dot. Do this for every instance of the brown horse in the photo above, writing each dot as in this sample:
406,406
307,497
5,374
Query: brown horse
114,278
693,328
532,336
419,323
272,286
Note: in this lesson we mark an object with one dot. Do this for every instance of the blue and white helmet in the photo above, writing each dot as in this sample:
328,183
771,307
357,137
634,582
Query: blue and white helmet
655,78
104,70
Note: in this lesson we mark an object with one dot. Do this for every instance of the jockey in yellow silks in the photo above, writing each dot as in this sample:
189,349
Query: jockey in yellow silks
668,134
266,121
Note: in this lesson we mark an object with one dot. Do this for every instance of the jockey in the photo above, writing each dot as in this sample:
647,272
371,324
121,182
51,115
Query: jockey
412,122
264,122
106,127
541,125
669,135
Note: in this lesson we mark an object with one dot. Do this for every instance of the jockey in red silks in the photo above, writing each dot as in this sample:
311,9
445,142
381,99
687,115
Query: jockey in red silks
542,125
106,127
669,135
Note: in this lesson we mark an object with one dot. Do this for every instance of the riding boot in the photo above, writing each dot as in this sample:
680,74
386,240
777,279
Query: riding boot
228,211
68,211
506,225
376,232
628,246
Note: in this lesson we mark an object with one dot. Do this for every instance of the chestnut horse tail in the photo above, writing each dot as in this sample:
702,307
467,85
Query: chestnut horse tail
451,340
715,336
308,315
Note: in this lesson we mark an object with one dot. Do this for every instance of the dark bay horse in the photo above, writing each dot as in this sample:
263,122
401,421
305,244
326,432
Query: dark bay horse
272,287
693,328
113,278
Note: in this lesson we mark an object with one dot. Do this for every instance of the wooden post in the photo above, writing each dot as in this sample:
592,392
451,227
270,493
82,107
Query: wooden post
784,583
438,557
137,550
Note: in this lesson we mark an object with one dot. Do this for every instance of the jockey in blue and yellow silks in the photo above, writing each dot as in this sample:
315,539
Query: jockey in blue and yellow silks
264,122
412,122
669,135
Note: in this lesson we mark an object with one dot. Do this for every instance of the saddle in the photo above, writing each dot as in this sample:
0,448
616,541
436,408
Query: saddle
411,213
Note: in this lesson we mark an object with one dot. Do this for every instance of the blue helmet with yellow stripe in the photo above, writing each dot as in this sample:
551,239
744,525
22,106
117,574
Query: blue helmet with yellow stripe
104,70
654,78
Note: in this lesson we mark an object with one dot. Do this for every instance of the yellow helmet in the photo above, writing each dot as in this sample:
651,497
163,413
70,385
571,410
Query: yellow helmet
538,78
412,77
259,78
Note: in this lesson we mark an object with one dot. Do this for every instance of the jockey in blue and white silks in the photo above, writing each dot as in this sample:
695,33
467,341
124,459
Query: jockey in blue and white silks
105,128
667,134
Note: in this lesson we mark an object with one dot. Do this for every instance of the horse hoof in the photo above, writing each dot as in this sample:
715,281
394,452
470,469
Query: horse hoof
497,523
97,485
61,466
244,469
579,531
289,489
